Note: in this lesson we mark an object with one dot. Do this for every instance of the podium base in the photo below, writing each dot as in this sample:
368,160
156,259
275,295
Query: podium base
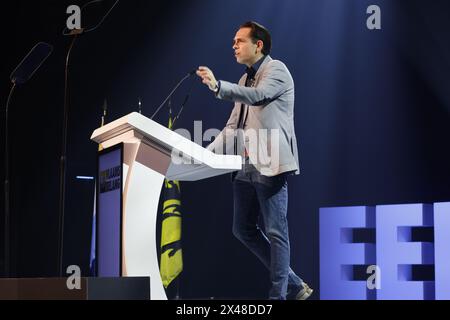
126,288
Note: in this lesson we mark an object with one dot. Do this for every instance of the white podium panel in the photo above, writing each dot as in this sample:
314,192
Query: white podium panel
151,154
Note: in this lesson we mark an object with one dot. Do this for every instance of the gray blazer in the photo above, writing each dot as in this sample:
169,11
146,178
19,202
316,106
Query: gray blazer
271,106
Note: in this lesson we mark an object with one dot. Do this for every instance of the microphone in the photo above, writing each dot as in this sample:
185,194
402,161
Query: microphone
29,65
92,16
186,99
190,74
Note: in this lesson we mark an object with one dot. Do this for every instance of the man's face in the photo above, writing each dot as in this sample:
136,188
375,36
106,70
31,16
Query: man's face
245,51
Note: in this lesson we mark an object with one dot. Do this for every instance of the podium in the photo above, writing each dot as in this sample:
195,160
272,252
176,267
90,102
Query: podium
138,155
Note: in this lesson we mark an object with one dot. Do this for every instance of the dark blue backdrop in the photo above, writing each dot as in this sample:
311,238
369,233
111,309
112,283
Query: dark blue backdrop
372,112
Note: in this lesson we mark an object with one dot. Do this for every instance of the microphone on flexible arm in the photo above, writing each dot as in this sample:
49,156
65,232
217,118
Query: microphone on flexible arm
190,74
23,73
94,4
186,99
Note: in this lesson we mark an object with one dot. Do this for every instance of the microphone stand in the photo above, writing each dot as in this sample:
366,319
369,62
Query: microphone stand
23,72
63,159
7,189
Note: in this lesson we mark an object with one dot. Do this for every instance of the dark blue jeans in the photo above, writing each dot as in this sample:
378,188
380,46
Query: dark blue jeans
256,195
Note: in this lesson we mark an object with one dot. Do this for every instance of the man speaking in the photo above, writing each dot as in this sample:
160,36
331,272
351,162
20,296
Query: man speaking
263,122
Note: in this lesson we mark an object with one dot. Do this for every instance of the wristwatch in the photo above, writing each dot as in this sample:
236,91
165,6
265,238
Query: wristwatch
217,87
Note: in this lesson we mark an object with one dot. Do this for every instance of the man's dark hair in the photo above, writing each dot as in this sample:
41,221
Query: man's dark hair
259,32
